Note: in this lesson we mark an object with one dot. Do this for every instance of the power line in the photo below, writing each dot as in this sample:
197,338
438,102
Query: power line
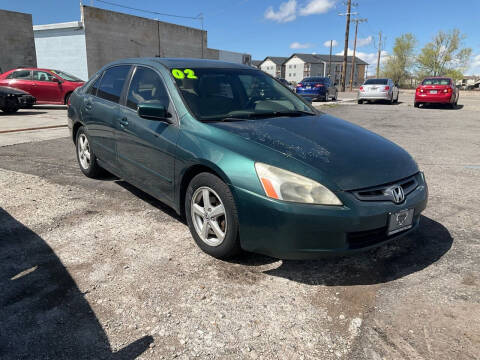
198,17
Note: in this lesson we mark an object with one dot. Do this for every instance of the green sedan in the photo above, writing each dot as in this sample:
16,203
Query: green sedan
248,163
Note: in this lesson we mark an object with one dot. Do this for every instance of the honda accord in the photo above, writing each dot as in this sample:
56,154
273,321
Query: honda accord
249,164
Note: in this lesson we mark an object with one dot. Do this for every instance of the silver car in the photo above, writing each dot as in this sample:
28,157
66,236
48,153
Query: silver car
378,89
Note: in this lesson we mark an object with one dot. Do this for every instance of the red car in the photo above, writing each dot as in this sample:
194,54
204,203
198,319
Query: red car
439,90
47,86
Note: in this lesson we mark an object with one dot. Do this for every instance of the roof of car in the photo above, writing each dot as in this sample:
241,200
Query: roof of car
29,68
185,63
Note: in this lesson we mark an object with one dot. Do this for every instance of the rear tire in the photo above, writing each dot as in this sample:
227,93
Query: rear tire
360,102
85,156
335,97
416,104
220,239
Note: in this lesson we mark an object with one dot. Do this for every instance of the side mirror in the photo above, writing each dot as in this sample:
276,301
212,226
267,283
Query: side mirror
154,111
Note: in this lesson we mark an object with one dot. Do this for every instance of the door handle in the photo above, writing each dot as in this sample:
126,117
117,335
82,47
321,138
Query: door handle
88,105
123,122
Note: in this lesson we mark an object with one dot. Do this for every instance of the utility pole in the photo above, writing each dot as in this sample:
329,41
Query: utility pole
330,61
379,52
345,51
356,21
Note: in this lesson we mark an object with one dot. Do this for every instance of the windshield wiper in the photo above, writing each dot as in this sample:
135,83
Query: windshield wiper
280,113
227,119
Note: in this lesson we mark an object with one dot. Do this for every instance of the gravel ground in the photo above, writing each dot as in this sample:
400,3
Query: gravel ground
98,269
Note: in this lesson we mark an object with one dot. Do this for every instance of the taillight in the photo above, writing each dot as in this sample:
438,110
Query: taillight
447,90
387,87
299,85
318,85
361,88
419,89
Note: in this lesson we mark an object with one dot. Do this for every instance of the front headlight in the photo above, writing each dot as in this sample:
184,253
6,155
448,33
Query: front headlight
284,185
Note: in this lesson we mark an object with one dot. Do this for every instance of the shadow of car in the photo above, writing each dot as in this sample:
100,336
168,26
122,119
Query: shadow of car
42,311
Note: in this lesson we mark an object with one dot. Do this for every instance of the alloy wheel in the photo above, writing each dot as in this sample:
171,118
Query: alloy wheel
83,148
209,216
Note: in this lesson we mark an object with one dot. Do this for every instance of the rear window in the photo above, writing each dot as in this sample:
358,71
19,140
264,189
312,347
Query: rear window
436,81
112,83
315,79
376,82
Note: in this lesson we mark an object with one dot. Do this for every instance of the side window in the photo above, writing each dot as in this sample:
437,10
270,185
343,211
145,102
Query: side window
146,86
92,90
20,74
42,76
112,82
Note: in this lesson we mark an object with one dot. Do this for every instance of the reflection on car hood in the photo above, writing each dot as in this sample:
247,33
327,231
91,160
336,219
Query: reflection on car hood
10,90
349,155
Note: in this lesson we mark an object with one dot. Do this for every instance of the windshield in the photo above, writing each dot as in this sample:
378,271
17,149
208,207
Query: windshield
436,82
214,94
376,82
67,76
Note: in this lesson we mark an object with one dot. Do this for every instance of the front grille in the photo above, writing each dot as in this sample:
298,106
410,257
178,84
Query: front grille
361,239
378,193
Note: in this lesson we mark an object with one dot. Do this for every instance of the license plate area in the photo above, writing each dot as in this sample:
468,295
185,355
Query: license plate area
400,221
433,91
308,87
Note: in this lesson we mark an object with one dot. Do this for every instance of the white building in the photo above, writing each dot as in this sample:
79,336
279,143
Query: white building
299,66
62,47
273,65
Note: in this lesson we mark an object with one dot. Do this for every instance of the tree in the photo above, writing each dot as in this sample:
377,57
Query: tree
398,65
444,55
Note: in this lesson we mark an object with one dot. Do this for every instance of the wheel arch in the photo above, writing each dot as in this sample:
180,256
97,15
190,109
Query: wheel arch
65,97
77,125
189,173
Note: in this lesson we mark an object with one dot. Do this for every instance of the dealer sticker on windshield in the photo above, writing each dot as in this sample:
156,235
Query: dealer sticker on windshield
400,221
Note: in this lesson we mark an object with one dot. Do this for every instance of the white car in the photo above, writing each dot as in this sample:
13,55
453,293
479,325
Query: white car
378,89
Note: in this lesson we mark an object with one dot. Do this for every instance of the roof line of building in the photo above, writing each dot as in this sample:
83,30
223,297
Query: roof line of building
56,26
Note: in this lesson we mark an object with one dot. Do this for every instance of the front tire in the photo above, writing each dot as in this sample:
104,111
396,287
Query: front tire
85,156
11,106
212,216
416,104
359,102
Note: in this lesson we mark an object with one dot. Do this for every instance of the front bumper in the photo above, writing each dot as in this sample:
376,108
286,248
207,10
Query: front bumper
302,231
26,100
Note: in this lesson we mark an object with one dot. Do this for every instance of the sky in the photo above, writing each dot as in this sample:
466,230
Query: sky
282,27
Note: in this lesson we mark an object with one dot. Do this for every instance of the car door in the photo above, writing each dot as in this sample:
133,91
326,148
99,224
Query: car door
146,148
20,79
46,87
102,112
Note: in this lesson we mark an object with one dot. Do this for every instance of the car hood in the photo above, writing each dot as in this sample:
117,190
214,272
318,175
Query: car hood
11,90
349,155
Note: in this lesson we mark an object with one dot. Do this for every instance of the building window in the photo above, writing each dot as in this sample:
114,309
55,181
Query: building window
294,66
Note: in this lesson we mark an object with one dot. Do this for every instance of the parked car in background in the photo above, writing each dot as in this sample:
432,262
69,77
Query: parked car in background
378,89
317,88
437,90
47,86
250,164
12,99
286,83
